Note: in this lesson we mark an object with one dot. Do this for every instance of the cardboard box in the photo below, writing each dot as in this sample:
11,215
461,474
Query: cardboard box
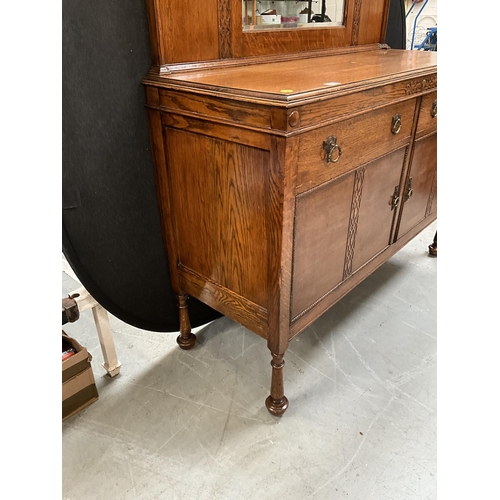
270,19
78,383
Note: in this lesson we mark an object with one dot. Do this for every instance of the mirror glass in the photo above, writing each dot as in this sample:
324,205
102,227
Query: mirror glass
278,14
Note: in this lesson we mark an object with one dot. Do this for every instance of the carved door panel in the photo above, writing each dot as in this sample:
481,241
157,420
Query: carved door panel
320,233
419,196
378,197
339,226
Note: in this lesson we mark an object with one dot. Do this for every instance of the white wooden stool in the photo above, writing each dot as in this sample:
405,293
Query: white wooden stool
86,301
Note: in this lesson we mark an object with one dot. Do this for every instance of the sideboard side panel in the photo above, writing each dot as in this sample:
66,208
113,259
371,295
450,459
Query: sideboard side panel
219,196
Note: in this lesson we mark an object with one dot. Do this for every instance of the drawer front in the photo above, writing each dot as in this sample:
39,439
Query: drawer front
427,118
333,150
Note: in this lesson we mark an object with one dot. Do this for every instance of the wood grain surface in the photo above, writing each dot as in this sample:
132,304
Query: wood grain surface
260,222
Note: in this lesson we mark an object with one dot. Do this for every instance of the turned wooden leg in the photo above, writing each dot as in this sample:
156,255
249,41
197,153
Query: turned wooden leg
186,339
433,248
277,402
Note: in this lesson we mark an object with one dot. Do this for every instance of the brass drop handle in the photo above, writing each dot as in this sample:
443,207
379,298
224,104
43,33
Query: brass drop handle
434,109
330,145
396,124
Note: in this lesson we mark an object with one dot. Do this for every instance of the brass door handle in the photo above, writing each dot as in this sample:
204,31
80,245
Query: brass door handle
395,202
434,109
330,145
396,124
394,199
409,190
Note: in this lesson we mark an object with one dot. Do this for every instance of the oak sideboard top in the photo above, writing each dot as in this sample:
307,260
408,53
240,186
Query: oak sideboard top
299,78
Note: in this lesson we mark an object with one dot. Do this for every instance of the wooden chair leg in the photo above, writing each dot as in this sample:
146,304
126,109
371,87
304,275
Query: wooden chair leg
101,320
85,301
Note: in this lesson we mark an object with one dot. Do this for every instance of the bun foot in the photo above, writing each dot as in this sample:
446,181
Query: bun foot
433,247
277,408
186,343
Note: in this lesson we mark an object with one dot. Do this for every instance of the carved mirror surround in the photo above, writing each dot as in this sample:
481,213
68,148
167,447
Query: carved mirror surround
212,31
352,23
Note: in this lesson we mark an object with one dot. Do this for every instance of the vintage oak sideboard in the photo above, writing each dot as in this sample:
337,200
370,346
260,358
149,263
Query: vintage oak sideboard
290,163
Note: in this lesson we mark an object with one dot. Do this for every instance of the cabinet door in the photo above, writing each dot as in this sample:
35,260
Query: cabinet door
320,233
339,226
374,225
419,194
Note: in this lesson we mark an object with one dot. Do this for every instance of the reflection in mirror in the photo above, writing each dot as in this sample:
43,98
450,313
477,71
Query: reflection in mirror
269,14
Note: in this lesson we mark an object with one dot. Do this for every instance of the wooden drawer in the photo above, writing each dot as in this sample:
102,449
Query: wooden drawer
361,139
427,118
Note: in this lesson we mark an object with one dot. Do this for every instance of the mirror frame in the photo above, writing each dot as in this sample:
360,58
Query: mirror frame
364,23
214,29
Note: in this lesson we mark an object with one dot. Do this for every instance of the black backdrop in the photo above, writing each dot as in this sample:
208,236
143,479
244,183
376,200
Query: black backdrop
110,221
111,230
396,25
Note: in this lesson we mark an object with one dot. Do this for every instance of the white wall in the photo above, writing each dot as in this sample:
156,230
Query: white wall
426,19
334,10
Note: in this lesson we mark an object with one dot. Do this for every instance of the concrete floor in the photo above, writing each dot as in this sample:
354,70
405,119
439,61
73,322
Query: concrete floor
192,424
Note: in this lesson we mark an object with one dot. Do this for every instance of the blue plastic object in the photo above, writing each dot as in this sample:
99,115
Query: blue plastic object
415,25
429,42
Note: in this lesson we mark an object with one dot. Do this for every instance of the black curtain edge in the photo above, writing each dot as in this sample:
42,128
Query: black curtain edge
104,300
